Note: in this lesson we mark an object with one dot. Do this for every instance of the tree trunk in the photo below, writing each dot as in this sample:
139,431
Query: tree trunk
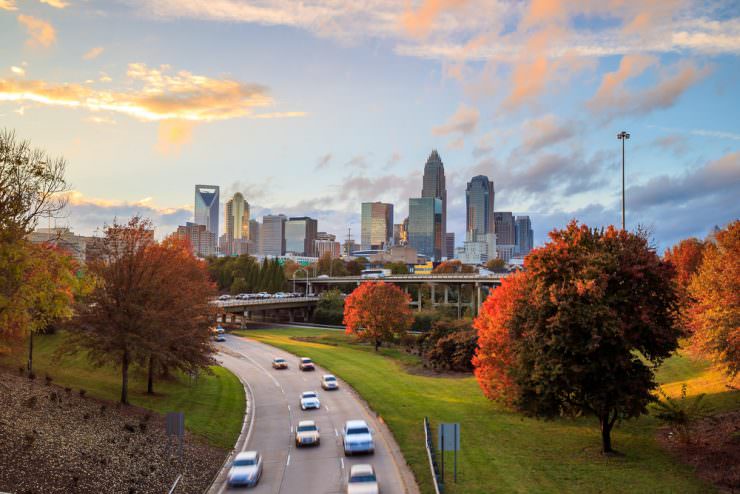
124,377
377,345
606,430
30,353
150,377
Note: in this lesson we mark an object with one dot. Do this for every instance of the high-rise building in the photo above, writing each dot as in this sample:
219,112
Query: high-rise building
477,248
236,223
377,225
450,244
399,233
325,236
524,235
201,240
332,247
254,237
300,235
434,186
206,207
479,196
425,226
504,226
272,235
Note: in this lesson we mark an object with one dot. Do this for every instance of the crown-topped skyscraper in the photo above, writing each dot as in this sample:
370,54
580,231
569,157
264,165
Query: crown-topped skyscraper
434,186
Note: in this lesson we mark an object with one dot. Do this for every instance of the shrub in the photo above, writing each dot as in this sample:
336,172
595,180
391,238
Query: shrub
128,427
32,376
82,393
48,379
453,351
423,321
680,415
68,390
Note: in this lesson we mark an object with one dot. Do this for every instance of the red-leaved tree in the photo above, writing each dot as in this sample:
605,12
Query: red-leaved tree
377,312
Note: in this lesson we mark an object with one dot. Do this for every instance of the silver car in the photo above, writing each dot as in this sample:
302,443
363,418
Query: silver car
329,382
362,480
309,399
246,469
357,438
307,434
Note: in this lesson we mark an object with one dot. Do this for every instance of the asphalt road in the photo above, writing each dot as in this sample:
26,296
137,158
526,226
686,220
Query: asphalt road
275,409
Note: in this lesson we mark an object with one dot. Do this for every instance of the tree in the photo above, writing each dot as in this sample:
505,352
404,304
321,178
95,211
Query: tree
355,266
377,311
397,267
581,330
496,265
686,257
330,308
715,292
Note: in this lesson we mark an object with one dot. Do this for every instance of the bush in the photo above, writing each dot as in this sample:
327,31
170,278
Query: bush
323,316
82,393
453,351
48,379
680,415
423,321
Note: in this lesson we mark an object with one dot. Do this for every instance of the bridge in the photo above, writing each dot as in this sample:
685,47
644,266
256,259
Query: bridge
294,308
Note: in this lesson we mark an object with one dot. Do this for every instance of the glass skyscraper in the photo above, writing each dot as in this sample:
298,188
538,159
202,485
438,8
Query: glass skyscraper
425,227
376,231
300,236
505,232
524,235
272,235
434,186
206,207
479,197
236,223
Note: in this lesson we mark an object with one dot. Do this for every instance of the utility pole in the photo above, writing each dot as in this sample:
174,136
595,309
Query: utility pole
623,136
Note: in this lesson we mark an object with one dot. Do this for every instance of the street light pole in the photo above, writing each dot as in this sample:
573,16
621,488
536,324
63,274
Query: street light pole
622,136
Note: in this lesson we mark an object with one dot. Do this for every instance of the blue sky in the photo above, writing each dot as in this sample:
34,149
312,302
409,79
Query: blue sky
314,107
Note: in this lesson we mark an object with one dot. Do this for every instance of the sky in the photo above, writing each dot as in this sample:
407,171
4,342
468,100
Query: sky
312,107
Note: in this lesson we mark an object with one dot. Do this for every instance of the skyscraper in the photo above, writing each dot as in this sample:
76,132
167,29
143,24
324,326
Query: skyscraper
376,225
254,237
206,207
479,197
504,222
272,235
524,235
300,236
201,240
425,227
434,186
449,244
236,224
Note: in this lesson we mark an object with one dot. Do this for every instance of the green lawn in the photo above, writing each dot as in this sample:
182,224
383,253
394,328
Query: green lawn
503,451
214,405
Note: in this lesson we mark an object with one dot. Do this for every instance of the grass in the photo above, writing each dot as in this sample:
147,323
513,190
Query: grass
503,451
213,405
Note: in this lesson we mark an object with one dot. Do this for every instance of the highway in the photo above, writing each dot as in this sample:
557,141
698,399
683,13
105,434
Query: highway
276,411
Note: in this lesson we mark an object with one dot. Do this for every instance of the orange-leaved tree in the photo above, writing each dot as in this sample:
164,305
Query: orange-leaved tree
715,293
581,331
377,311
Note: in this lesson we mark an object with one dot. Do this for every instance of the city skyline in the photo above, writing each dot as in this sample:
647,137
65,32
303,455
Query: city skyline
371,96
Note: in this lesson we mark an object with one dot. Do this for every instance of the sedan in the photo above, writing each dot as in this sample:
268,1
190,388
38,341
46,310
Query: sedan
279,363
362,480
306,364
307,434
329,382
246,469
219,338
309,399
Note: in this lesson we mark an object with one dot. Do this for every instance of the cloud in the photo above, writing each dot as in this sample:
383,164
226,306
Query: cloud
8,5
154,94
18,70
57,4
41,33
359,162
463,122
545,131
93,53
323,161
673,143
418,23
613,99
173,135
393,160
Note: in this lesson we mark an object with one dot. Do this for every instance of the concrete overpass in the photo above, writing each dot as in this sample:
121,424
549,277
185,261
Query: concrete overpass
267,308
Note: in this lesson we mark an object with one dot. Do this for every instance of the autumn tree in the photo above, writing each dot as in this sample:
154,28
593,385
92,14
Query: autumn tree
582,330
715,293
453,266
496,265
377,312
686,257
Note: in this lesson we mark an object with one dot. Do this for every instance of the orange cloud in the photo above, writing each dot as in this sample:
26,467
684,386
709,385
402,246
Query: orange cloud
419,23
463,121
630,67
93,53
57,4
159,96
41,32
173,135
8,5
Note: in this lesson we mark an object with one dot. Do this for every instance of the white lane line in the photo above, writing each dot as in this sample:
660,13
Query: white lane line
336,432
288,462
341,460
291,429
327,408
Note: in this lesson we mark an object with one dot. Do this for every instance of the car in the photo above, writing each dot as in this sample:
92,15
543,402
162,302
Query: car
225,297
362,480
279,363
357,438
219,329
306,364
219,338
246,469
329,382
323,276
310,399
307,434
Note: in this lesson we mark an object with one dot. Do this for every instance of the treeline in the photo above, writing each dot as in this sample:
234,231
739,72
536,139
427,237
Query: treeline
243,274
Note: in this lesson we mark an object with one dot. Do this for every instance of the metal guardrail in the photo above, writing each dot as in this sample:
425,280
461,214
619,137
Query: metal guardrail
439,486
263,301
451,276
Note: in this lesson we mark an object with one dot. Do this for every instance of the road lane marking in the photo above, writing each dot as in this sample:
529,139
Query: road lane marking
291,429
327,407
341,460
288,463
336,432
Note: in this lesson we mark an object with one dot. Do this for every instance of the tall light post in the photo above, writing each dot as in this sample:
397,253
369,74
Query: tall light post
623,136
294,273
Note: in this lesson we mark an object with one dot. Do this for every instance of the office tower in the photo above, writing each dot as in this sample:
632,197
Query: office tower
524,235
477,249
425,226
399,234
325,236
377,225
272,235
300,235
206,207
504,227
254,237
434,185
332,247
236,224
449,245
479,196
201,240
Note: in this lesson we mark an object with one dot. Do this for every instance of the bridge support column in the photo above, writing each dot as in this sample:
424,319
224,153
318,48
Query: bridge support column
291,315
478,298
434,299
447,294
459,301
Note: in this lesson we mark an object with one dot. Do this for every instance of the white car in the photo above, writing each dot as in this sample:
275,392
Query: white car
362,480
307,434
224,297
357,438
329,382
246,469
309,399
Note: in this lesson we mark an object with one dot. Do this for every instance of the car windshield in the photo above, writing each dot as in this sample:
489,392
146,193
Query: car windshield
306,360
363,477
279,360
309,395
306,428
244,462
330,378
358,430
